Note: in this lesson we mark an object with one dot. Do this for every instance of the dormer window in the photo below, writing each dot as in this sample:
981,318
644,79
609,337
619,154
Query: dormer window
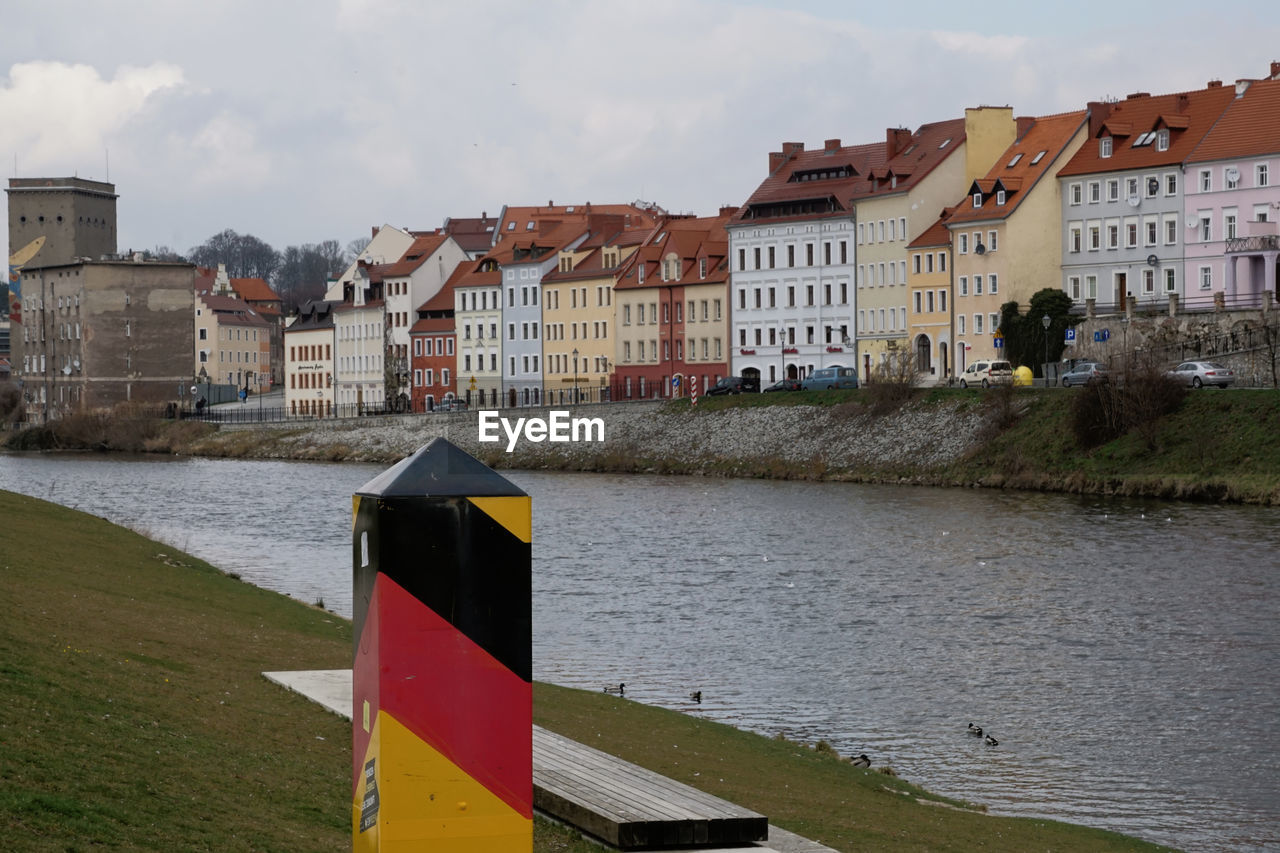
1000,197
977,199
702,267
1162,139
529,226
1104,146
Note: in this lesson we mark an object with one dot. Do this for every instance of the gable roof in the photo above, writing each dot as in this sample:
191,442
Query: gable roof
823,182
692,240
1020,168
937,234
1133,123
1249,127
473,234
421,249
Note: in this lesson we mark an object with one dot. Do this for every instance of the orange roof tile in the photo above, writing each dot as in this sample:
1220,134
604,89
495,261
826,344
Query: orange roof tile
1249,127
422,248
1187,115
1019,169
937,234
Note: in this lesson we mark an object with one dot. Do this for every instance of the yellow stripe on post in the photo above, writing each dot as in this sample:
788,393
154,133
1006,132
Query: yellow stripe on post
515,514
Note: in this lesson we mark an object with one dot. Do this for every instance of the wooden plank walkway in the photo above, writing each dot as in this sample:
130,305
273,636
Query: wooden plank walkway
628,806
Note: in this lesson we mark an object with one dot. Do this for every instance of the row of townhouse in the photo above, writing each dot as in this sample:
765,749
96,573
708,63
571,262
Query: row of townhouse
842,256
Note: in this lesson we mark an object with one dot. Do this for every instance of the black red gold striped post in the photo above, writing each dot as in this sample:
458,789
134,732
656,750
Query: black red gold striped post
442,695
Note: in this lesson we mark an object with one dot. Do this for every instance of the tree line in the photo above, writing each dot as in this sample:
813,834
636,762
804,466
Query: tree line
297,274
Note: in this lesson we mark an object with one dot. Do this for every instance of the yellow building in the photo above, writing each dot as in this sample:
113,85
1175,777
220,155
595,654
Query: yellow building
930,306
1006,234
922,173
577,318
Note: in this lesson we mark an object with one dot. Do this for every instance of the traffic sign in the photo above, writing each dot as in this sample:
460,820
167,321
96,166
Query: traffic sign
1070,337
999,343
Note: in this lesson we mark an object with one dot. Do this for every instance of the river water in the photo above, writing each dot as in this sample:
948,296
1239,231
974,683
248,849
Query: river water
1124,653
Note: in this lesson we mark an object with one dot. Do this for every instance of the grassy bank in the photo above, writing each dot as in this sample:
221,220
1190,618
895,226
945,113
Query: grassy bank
133,716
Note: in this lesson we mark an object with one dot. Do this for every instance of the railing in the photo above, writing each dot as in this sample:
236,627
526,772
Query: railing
1158,303
1254,243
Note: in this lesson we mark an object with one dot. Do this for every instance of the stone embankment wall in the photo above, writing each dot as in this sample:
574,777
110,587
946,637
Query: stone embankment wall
780,441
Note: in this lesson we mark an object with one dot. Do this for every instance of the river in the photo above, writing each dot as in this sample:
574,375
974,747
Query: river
1124,653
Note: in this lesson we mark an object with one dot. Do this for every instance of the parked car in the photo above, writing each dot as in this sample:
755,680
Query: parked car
1200,373
831,377
1084,373
785,385
987,373
734,385
452,404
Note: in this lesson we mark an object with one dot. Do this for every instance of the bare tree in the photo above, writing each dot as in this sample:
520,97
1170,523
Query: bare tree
304,270
244,255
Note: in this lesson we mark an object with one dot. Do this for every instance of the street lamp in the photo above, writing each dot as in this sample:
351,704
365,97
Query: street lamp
575,375
782,350
1045,321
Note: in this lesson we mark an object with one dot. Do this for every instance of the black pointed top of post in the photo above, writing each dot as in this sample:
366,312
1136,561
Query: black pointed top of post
439,469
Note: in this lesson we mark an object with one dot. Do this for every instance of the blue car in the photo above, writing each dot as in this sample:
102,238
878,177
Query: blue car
831,377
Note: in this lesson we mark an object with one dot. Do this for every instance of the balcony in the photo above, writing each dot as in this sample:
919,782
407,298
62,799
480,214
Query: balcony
1255,237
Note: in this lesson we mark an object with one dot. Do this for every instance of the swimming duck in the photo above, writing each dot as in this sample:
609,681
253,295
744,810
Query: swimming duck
976,731
860,761
696,696
990,741
621,689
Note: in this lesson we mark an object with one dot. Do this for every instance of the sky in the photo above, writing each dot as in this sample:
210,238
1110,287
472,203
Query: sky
299,121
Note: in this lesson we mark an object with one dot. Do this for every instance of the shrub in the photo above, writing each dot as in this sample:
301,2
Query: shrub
1133,401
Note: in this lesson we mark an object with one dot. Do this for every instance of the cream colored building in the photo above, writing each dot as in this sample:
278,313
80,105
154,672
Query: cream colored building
929,309
923,173
309,350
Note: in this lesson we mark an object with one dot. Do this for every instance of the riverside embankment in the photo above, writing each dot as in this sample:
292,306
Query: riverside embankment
1213,446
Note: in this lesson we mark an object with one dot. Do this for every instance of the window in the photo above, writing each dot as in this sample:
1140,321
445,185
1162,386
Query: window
1153,186
791,255
992,285
915,264
1074,239
1073,193
1148,280
204,334
1152,227
1000,197
1113,235
1232,177
742,259
1171,231
1206,181
1091,287
977,285
1171,183
1170,280
977,199
1104,146
756,255
1039,156
1131,233
993,323
1206,228
916,301
964,285
1229,224
963,244
942,262
1162,139
960,324
1113,189
1073,287
1095,192
1095,237
702,263
1261,175
1206,278
1014,161
977,324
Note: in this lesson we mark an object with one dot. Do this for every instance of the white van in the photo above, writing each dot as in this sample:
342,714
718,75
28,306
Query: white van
987,373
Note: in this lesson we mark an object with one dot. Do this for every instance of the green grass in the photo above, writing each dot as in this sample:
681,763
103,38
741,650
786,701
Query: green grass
133,716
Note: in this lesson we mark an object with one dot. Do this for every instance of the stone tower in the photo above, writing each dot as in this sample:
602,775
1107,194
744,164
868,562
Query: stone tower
77,218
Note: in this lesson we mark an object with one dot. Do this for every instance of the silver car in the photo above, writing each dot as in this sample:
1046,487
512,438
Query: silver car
1197,374
1083,373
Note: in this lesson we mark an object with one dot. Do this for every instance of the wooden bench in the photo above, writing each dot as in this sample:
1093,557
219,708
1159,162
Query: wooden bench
628,806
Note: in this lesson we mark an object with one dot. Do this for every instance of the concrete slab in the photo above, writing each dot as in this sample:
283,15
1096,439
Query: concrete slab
331,688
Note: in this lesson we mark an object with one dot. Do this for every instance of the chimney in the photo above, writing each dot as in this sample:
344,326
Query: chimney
775,160
791,149
1215,84
1184,101
895,140
1099,112
1137,95
831,146
728,209
1024,123
1275,71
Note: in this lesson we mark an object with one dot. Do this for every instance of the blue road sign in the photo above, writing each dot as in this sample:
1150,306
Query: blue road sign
999,343
1071,336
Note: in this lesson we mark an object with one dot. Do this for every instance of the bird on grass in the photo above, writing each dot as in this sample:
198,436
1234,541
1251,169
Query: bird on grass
860,761
696,696
621,689
990,741
976,731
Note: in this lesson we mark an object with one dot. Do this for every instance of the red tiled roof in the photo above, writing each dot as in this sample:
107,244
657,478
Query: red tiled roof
422,248
693,239
474,234
1187,115
254,290
632,217
1250,126
1049,134
862,171
937,234
231,311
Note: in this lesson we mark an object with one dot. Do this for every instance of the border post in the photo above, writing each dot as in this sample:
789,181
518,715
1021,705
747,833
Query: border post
442,700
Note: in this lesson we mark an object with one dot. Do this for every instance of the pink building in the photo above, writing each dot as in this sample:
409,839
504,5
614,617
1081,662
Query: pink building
1232,200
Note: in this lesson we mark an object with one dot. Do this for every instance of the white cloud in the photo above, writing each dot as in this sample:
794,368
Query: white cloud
57,115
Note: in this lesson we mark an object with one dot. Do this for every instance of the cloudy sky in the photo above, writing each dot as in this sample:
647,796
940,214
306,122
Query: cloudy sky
304,120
